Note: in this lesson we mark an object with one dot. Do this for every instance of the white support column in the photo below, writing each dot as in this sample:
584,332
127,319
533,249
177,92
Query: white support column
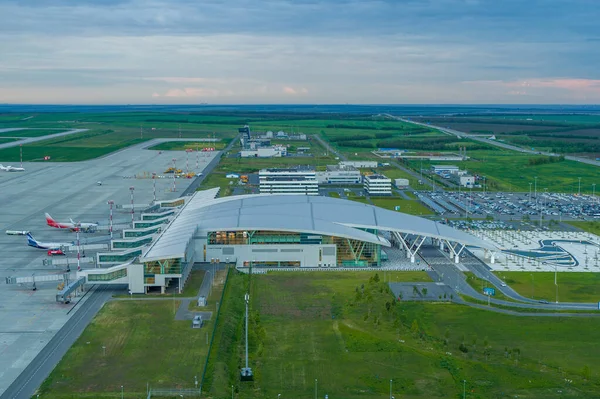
456,259
441,245
493,258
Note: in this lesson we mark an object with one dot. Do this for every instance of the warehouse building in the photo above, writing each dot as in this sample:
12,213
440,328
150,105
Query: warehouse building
299,180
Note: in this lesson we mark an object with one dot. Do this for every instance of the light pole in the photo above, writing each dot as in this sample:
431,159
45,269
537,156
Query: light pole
579,189
174,173
122,392
530,192
464,389
77,228
532,286
232,392
535,189
594,191
154,186
390,389
555,281
246,371
315,388
483,185
132,207
110,220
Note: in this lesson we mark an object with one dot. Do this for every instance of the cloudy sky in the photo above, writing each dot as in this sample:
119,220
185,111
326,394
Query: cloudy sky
300,51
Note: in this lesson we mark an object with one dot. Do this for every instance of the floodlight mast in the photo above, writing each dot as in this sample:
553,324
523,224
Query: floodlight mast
247,299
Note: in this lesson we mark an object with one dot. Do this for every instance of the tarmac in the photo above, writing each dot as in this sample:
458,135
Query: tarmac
30,319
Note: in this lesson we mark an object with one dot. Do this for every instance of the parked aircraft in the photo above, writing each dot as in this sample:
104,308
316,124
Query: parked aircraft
70,225
11,168
32,242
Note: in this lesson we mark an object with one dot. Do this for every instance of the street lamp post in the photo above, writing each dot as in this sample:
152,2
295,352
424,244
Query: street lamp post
316,388
464,389
535,189
530,192
390,389
532,286
579,189
131,189
594,191
122,391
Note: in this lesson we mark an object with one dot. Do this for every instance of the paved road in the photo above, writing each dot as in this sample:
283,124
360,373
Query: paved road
31,378
496,143
34,139
208,169
329,148
448,273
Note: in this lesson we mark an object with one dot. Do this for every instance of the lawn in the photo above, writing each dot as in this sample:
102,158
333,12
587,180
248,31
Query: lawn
591,227
32,132
144,344
6,140
412,207
507,170
346,331
572,287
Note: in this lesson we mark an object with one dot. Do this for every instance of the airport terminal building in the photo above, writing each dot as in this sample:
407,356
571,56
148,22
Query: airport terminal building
277,231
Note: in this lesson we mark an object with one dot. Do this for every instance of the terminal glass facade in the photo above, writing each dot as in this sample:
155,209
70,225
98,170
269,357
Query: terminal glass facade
350,253
164,266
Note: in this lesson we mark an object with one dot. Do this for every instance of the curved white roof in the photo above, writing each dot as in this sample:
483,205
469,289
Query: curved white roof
308,214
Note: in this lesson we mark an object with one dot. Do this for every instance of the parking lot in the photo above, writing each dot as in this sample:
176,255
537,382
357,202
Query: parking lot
513,205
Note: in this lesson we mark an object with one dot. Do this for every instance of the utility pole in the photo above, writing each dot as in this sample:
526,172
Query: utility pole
579,189
530,192
594,191
77,228
21,153
141,132
535,189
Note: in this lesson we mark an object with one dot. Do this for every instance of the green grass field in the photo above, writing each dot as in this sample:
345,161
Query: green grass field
6,140
411,207
572,287
346,331
591,227
31,132
144,344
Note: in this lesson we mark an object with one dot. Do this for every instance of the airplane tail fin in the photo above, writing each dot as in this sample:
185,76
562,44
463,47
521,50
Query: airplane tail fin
49,220
31,241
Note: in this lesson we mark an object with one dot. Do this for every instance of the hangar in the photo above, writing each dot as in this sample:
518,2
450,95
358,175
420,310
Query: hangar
267,230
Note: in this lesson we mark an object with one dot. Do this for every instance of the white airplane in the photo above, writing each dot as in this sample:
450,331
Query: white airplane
70,225
11,168
32,242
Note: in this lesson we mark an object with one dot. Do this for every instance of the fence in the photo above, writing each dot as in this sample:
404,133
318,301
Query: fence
174,392
212,337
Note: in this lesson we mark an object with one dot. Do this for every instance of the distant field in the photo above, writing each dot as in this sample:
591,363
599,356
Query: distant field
592,227
508,171
6,140
572,287
346,331
31,132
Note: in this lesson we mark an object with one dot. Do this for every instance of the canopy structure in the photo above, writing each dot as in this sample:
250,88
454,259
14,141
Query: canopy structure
300,213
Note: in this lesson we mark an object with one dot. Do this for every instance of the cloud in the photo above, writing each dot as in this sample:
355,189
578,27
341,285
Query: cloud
192,92
291,91
336,51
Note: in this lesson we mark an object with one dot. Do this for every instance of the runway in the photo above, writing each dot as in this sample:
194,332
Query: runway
30,319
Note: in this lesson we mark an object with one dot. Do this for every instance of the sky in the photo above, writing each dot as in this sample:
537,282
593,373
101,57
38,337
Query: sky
300,52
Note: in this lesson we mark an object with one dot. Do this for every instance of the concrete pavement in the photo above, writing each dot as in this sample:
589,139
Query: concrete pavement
29,140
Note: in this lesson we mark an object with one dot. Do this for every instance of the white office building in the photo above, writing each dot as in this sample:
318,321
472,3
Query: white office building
441,169
288,181
359,164
467,181
377,185
339,175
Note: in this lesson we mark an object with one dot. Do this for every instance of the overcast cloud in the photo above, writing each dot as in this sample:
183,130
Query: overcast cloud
193,51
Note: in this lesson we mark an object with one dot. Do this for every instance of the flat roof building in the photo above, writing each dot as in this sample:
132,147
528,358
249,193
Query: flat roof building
299,180
339,174
377,185
444,168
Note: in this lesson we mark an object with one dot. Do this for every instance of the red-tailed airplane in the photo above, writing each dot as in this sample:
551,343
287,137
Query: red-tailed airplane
70,225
